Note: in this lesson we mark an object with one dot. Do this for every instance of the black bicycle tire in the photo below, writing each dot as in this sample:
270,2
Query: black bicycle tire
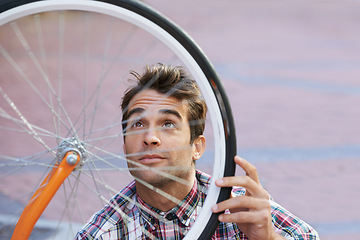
198,55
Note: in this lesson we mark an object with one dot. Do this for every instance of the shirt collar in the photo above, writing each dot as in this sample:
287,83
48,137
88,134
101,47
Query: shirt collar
183,211
188,205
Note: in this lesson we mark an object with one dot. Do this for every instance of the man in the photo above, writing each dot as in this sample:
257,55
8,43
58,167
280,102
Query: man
163,124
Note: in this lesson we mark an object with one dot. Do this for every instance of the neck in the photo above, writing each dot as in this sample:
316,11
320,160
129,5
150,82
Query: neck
167,196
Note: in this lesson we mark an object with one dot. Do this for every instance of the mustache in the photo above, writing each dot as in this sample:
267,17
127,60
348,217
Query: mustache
163,152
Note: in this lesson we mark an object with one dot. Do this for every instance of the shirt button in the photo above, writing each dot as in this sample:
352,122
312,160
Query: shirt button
170,216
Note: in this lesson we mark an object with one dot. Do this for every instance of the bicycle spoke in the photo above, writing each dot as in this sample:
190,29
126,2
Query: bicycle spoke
73,67
26,123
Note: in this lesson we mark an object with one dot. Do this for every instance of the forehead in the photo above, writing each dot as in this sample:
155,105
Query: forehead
150,99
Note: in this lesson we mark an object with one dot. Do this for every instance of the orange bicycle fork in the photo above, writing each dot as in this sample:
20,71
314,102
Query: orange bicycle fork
71,153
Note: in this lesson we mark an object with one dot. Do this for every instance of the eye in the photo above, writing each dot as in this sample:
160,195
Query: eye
169,124
137,124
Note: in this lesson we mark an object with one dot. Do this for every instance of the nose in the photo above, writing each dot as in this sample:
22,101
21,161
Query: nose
151,138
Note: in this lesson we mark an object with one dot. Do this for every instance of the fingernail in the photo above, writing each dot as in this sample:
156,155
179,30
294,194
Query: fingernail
219,181
239,159
214,208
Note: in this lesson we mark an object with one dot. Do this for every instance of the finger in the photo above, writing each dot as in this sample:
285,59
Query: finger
246,182
242,203
254,217
249,169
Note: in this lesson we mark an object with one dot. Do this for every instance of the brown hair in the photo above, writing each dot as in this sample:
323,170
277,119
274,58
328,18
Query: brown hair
175,82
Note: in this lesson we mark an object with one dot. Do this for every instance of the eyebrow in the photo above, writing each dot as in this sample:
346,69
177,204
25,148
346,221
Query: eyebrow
169,111
134,111
162,111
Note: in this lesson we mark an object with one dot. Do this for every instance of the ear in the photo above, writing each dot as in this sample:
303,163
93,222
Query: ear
199,146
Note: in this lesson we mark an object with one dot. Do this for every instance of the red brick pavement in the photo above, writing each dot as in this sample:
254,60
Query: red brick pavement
291,72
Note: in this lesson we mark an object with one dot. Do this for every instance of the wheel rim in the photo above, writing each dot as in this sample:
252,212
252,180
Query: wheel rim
179,50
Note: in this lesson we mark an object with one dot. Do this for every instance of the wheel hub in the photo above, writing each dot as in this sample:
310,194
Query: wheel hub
74,145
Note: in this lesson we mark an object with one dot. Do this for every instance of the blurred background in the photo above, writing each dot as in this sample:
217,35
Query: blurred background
291,70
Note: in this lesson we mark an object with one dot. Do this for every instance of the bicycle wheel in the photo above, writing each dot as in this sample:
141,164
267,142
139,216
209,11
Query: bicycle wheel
64,68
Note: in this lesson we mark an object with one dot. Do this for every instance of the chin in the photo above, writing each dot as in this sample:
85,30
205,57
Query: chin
149,177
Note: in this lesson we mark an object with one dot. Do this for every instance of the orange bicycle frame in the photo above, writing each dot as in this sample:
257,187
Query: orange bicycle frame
44,194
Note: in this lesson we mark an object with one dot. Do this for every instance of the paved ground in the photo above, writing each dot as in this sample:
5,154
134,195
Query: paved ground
291,71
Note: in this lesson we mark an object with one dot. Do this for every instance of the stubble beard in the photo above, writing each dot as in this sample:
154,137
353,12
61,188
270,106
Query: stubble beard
162,179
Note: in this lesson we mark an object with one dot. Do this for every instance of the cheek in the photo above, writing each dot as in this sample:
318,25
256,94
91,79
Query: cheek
129,144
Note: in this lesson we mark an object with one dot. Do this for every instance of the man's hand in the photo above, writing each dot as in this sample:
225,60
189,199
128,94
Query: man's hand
252,212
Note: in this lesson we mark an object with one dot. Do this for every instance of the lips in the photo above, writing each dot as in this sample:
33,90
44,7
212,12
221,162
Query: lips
150,159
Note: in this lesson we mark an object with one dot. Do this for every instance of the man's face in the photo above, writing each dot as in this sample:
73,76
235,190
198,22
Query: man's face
158,136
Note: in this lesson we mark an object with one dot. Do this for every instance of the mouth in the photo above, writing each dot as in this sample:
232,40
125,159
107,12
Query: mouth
151,159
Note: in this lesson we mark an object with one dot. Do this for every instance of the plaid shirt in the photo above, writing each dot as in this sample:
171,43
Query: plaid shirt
126,216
